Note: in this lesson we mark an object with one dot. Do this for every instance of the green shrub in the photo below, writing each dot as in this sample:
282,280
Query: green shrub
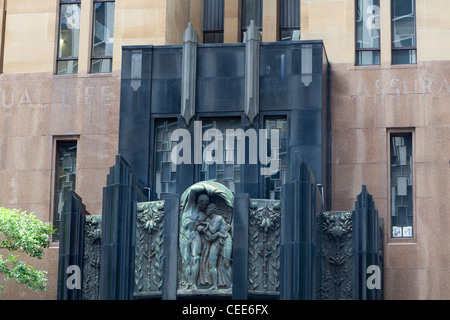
23,233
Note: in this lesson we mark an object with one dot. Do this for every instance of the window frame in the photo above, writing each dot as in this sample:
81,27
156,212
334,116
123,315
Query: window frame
59,59
203,167
92,57
263,179
244,28
287,28
398,49
217,33
169,119
390,133
358,50
57,140
3,35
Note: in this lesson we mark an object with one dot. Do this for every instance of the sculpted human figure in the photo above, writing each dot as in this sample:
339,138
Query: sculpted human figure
190,242
217,233
205,240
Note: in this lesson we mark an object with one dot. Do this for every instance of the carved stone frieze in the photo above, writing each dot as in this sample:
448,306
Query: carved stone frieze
92,252
149,248
335,256
264,246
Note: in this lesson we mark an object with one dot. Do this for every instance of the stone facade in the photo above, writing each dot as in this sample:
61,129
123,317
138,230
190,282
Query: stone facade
366,106
37,108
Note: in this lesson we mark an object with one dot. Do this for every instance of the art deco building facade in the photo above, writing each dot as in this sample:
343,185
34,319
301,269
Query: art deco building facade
60,91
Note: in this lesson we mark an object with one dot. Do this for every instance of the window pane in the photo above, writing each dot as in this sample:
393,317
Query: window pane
65,178
404,57
272,184
101,65
289,34
401,186
103,29
213,37
69,31
286,35
368,24
67,66
403,23
251,10
164,170
364,58
222,169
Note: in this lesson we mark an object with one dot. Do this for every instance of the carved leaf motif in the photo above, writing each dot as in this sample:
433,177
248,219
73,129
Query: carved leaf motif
348,290
264,245
149,244
338,261
91,255
336,255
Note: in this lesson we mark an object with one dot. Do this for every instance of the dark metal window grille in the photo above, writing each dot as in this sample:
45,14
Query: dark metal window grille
289,18
102,36
69,36
401,166
403,29
251,10
367,32
213,21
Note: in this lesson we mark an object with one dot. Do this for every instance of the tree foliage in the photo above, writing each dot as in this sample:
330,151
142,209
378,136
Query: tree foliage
23,233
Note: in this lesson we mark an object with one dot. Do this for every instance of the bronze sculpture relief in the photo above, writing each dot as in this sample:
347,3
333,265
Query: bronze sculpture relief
205,238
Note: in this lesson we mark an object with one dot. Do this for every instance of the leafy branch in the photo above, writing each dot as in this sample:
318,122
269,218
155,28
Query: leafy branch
22,232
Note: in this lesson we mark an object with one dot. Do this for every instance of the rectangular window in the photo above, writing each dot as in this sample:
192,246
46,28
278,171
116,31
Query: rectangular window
404,32
251,10
223,170
102,36
3,33
164,169
367,32
66,168
213,21
401,174
289,18
272,184
69,36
